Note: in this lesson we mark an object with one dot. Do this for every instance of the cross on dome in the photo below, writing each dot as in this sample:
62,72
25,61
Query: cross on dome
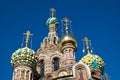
27,34
52,11
67,21
87,42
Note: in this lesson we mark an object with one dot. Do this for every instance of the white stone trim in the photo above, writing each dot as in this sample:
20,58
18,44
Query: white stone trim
85,66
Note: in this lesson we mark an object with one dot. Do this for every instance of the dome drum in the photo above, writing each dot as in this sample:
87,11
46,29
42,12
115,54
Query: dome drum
68,46
23,64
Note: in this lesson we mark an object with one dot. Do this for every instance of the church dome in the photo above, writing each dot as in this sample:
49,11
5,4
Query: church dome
93,61
51,20
24,55
68,39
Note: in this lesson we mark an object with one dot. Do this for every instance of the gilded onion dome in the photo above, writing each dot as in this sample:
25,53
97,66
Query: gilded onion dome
92,60
68,39
24,55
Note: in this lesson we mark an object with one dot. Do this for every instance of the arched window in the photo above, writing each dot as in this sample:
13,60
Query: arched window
22,74
56,64
18,74
42,67
27,75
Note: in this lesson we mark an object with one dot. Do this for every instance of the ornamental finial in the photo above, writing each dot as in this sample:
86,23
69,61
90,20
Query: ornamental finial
87,41
27,34
66,20
52,11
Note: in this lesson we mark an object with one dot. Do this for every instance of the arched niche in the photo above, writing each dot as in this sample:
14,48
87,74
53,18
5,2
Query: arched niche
81,70
62,72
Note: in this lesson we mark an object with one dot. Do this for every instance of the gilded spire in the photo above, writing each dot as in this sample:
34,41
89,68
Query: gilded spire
87,41
52,11
27,34
66,20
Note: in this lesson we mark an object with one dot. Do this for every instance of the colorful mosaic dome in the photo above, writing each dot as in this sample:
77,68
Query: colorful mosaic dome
93,61
51,20
24,55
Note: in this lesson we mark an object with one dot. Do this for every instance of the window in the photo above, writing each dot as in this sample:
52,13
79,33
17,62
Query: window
22,74
27,74
56,64
42,67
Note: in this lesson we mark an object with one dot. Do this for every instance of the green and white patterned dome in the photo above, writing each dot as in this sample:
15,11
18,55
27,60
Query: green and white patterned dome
51,20
93,61
24,55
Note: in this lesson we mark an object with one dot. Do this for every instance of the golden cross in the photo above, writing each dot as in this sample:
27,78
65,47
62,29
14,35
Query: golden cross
27,34
52,11
66,20
86,40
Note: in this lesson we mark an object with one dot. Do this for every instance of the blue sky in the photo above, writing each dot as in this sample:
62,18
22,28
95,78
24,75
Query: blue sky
99,20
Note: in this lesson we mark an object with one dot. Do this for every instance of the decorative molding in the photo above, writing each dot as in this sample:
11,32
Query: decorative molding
83,65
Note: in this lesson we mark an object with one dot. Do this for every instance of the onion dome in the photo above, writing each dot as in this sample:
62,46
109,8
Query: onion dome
24,55
68,39
51,20
92,60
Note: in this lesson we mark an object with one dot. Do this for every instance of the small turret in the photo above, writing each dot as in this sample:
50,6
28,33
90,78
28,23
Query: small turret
52,24
95,63
23,61
68,45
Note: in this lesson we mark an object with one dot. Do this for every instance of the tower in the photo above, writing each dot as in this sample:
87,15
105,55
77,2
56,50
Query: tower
52,24
23,61
49,54
68,45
